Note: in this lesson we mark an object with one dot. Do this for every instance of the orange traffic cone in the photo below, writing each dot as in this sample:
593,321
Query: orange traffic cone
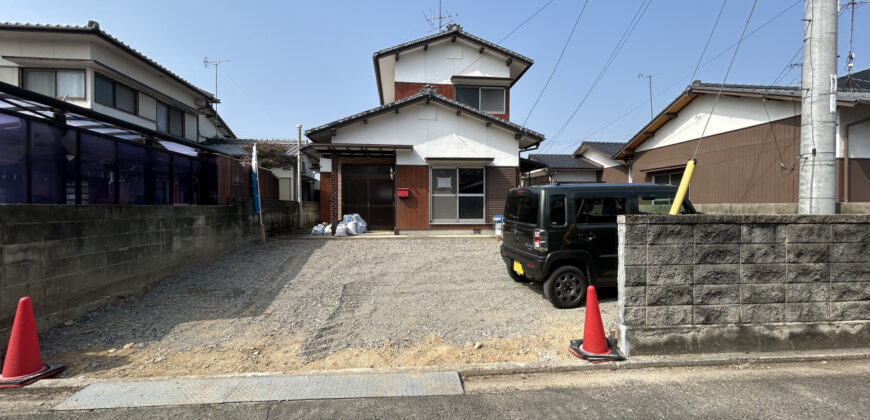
594,346
23,365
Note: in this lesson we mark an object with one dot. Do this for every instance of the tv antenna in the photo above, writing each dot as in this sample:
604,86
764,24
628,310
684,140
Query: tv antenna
443,18
649,76
214,63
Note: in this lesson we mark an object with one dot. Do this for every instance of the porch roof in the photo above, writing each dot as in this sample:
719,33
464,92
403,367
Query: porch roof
351,149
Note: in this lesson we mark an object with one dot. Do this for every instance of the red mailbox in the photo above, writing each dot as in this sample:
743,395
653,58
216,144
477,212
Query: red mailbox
403,192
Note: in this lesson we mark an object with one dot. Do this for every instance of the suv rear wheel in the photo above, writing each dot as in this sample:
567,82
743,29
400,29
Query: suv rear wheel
566,287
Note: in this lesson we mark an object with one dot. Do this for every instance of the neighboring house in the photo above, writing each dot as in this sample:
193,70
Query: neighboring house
601,153
591,162
286,176
85,119
562,169
440,151
749,155
86,66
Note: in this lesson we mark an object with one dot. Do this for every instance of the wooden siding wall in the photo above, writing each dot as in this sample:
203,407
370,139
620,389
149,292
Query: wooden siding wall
859,180
741,166
234,180
614,174
325,195
413,212
499,180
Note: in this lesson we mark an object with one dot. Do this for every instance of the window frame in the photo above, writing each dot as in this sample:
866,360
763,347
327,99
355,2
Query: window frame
114,104
480,90
24,71
458,194
169,109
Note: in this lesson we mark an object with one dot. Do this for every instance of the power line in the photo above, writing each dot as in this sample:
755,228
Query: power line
562,54
684,77
727,72
619,45
510,33
712,31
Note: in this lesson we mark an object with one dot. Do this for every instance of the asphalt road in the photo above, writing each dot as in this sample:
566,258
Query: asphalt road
797,390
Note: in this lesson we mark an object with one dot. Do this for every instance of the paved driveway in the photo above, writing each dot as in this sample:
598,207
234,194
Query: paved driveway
325,304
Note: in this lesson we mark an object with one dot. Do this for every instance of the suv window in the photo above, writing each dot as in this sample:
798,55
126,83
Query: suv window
599,210
557,210
656,204
522,208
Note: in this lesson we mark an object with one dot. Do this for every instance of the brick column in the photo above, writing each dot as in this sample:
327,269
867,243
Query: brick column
333,198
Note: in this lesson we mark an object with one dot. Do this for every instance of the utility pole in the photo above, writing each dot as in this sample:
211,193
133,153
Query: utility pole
818,109
299,170
649,76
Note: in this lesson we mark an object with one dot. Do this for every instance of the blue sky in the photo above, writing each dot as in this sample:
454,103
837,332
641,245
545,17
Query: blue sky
309,62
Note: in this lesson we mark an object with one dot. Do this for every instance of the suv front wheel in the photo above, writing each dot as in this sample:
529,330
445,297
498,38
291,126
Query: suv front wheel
566,287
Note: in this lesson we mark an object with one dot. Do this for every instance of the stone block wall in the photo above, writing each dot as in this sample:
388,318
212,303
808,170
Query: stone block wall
703,283
71,259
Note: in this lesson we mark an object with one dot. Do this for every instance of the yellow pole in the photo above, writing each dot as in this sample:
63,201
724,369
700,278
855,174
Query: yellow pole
684,187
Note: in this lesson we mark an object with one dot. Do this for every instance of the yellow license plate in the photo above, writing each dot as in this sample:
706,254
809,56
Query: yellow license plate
518,267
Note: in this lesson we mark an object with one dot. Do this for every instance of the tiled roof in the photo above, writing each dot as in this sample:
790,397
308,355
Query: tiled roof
233,147
430,93
449,32
855,81
94,28
563,162
853,95
608,148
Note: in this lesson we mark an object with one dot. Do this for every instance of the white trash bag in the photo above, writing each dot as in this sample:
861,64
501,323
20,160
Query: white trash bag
328,229
341,229
317,230
353,228
363,226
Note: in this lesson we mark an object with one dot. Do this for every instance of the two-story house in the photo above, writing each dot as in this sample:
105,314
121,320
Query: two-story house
86,119
440,151
86,66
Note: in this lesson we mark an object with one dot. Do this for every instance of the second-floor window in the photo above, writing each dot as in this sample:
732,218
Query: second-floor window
61,84
115,95
170,119
487,99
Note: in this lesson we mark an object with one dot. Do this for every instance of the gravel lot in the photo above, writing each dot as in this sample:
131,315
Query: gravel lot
299,303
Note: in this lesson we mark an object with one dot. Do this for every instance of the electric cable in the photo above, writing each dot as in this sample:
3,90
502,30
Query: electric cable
561,54
613,54
727,72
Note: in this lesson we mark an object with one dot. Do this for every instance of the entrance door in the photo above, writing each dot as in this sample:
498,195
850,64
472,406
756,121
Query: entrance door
368,190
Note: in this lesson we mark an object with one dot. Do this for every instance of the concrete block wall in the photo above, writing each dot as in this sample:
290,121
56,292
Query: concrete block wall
704,283
71,259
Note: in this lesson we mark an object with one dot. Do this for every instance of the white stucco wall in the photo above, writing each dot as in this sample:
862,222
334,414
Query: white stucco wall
601,158
83,51
435,131
567,176
447,59
731,114
859,134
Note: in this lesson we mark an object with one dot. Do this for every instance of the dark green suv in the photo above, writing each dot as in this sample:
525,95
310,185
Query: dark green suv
565,235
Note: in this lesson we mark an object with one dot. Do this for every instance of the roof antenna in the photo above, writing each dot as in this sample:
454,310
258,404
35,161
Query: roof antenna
443,18
205,63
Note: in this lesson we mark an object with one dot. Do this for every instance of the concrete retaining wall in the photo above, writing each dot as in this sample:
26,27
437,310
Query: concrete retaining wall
774,208
310,214
71,259
707,283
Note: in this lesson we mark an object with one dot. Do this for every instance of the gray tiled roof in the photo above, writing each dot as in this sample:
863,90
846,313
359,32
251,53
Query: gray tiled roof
856,81
608,148
450,31
95,29
425,92
563,162
794,91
